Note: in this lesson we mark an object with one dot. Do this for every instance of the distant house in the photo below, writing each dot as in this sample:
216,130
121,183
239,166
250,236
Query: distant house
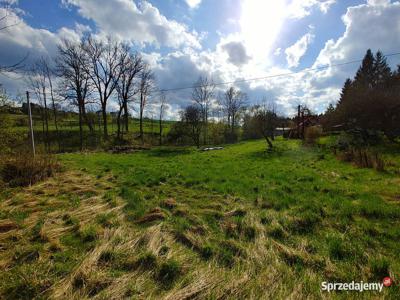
307,121
280,131
35,108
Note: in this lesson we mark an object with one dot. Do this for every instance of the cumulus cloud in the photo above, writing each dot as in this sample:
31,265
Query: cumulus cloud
295,52
143,24
237,54
360,36
182,66
193,3
299,9
21,41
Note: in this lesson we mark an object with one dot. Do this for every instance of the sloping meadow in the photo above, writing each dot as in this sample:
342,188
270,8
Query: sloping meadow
182,224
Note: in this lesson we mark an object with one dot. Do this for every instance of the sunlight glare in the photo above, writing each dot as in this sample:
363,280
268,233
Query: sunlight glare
261,22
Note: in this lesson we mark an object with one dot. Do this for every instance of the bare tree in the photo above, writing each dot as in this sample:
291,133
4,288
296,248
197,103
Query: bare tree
37,80
163,102
266,121
75,82
102,64
49,72
127,87
233,102
202,95
146,84
192,117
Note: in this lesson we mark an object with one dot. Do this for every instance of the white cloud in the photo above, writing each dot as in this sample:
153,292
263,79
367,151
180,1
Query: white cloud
372,25
361,35
193,3
143,24
299,9
295,52
23,41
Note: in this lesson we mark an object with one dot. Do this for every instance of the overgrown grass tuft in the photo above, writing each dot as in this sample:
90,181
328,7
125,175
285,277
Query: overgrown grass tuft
24,170
168,273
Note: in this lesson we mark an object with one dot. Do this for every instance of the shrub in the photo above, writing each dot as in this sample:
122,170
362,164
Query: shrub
312,134
363,158
24,170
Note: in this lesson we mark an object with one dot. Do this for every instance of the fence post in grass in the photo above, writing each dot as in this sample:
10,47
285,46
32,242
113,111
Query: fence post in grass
30,124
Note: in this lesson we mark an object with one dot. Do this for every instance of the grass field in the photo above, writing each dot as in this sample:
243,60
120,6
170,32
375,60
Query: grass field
68,131
177,223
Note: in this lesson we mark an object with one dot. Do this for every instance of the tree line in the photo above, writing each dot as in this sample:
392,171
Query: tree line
93,71
233,118
369,103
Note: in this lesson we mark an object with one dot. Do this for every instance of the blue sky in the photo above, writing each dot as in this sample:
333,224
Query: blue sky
226,40
211,17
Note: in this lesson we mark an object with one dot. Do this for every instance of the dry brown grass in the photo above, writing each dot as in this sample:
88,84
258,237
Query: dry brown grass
24,170
264,268
364,158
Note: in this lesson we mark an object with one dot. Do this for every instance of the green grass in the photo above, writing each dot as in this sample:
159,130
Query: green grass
244,222
304,195
68,130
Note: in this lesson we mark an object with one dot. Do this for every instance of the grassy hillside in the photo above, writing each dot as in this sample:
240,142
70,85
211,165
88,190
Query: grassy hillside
68,127
181,224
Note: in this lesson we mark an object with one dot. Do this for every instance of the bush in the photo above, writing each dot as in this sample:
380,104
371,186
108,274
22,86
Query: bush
363,158
24,170
312,134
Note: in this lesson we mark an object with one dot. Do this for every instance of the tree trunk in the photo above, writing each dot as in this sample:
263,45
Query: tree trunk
119,123
85,117
141,118
55,115
105,131
161,131
233,125
270,146
80,128
46,118
126,116
205,126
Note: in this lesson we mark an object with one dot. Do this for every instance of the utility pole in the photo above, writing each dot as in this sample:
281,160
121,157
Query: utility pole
30,124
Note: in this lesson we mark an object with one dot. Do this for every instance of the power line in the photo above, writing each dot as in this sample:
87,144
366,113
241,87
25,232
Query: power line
273,76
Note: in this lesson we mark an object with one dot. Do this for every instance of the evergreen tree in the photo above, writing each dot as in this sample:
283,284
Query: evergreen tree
382,72
365,74
330,109
344,95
